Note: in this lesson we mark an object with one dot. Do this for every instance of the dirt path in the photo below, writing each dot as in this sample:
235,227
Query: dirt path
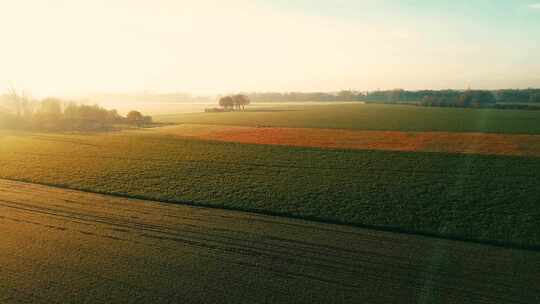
63,246
477,143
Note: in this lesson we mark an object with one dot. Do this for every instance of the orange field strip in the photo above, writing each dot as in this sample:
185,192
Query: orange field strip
475,143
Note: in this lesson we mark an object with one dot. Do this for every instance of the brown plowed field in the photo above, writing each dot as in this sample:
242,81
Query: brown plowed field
476,143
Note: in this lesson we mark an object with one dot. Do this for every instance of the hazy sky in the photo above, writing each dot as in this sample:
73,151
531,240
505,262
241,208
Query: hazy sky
57,47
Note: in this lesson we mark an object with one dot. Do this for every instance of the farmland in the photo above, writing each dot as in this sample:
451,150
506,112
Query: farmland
449,142
486,198
374,117
203,151
65,246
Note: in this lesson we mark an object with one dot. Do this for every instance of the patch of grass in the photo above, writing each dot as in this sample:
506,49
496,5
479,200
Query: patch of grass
375,117
473,197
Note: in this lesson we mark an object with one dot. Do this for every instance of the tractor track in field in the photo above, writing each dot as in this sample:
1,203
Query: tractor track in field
69,246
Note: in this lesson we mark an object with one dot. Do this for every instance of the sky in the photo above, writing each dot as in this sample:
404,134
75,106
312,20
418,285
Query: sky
66,47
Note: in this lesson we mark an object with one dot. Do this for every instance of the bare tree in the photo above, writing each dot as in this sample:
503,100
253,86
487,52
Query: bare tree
240,101
226,102
20,103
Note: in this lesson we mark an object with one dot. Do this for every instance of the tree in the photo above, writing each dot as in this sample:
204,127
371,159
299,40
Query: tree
51,106
240,101
20,112
535,98
395,95
234,102
113,116
472,98
20,104
135,117
429,101
49,114
147,120
226,102
346,95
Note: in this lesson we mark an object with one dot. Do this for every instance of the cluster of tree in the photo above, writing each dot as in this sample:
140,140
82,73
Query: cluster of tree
397,95
387,96
442,97
518,96
234,102
467,99
400,95
20,112
300,96
454,97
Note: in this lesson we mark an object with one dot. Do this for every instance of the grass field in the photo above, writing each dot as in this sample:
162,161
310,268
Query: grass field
374,117
489,198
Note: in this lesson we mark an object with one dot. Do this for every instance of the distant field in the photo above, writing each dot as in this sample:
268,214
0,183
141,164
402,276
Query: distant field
374,117
490,198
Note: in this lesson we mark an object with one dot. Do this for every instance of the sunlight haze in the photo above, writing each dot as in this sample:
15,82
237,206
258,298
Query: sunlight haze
207,47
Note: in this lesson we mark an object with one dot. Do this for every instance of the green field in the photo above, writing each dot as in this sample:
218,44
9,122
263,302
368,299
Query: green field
472,197
374,117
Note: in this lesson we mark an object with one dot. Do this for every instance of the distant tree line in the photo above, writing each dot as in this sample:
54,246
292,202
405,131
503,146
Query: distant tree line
433,97
344,95
467,99
300,96
518,96
386,96
18,111
499,99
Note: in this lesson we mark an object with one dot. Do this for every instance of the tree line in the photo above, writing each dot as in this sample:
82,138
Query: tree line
519,96
457,97
18,111
500,99
469,98
400,95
